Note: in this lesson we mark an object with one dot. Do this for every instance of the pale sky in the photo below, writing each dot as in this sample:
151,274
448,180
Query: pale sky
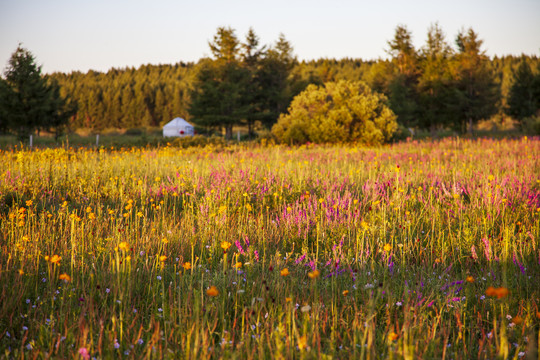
68,35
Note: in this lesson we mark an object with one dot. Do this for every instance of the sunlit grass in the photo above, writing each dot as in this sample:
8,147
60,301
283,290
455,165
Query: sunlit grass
416,250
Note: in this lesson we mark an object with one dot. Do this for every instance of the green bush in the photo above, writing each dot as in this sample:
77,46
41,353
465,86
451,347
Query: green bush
336,112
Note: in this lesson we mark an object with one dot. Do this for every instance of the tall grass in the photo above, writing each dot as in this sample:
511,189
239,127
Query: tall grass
415,250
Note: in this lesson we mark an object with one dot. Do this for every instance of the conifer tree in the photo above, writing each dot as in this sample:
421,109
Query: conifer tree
402,87
27,103
476,90
435,81
522,100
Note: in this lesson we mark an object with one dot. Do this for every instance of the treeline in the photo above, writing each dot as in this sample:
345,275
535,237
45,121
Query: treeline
128,98
436,86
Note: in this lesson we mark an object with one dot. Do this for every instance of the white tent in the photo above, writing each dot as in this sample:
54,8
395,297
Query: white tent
178,127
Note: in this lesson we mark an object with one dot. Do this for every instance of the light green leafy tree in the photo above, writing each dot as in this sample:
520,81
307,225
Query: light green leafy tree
336,112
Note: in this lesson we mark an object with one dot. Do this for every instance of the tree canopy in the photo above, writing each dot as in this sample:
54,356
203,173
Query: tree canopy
341,111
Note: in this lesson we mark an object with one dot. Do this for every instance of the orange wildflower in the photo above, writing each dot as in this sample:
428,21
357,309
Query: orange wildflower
490,291
345,292
470,279
284,272
238,265
225,245
56,259
65,277
123,246
501,292
162,258
212,291
517,320
314,274
187,265
393,336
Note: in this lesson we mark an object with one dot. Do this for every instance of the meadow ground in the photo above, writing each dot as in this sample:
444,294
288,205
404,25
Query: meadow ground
414,250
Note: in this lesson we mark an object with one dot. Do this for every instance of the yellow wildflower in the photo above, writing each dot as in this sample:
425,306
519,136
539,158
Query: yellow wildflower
302,342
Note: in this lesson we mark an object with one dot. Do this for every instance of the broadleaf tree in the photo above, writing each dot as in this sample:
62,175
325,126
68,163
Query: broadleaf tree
342,111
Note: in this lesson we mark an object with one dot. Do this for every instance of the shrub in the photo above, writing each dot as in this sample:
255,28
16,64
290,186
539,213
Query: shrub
341,111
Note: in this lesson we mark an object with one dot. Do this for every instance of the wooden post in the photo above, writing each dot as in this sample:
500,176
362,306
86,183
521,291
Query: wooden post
31,141
97,140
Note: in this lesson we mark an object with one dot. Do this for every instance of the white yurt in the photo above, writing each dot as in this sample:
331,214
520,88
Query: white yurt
178,127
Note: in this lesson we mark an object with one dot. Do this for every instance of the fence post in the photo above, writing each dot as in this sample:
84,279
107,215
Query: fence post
97,140
31,141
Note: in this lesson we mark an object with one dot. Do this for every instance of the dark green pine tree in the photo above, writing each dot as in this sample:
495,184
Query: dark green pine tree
476,90
522,100
219,98
5,96
435,80
62,109
251,57
27,102
401,91
273,76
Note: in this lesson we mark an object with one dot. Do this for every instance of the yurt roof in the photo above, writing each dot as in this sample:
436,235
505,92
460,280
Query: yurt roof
176,123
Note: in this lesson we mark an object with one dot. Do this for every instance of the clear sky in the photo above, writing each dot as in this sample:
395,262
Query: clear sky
67,35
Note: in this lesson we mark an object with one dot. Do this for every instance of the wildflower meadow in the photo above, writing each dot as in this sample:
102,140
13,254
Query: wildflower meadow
416,250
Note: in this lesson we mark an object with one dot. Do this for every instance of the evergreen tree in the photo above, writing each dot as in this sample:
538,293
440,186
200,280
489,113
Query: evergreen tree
401,89
435,80
522,100
251,55
218,99
61,110
476,90
5,98
276,87
28,102
403,52
225,45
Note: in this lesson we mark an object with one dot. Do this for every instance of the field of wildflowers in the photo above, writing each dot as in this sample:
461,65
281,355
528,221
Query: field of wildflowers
414,250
